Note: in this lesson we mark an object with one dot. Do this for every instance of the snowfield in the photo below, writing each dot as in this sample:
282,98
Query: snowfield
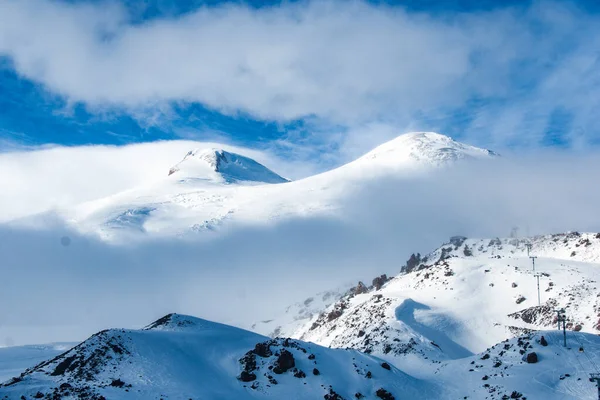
181,357
463,298
213,187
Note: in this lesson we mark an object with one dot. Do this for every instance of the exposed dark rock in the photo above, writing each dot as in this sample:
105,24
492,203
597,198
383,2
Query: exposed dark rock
380,281
413,262
263,349
248,362
332,395
531,358
247,376
316,372
360,288
385,365
284,362
384,394
467,251
457,241
62,367
117,383
543,341
298,373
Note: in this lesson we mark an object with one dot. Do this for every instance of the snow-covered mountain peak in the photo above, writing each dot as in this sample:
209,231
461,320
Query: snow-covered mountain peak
178,322
220,165
423,148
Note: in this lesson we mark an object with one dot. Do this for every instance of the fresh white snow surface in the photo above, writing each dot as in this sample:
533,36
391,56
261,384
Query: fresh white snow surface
463,298
181,357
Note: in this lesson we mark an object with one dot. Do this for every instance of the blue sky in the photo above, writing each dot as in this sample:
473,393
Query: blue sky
317,81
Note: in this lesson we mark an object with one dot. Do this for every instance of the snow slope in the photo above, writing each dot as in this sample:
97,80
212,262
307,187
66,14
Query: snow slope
462,298
181,357
211,187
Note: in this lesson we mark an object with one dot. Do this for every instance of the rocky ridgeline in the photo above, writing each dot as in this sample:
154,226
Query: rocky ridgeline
147,363
262,366
81,371
568,246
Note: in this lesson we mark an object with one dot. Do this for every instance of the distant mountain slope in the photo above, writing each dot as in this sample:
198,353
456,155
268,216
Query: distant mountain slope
462,298
181,357
212,187
15,359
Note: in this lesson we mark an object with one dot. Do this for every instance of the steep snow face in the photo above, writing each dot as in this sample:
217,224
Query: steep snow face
220,165
464,297
422,149
181,357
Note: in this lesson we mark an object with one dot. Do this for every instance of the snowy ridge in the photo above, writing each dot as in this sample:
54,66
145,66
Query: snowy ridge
218,163
181,357
423,148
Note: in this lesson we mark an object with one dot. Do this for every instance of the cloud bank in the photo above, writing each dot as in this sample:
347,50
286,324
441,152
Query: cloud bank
65,290
525,75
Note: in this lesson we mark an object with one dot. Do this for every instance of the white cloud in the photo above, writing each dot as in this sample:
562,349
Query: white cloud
349,63
37,180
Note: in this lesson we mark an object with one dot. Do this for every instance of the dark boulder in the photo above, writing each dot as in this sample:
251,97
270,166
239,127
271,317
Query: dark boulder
380,281
543,341
284,362
384,394
247,376
531,358
263,349
360,288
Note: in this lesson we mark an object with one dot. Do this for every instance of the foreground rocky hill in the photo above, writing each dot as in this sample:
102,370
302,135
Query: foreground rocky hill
181,357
